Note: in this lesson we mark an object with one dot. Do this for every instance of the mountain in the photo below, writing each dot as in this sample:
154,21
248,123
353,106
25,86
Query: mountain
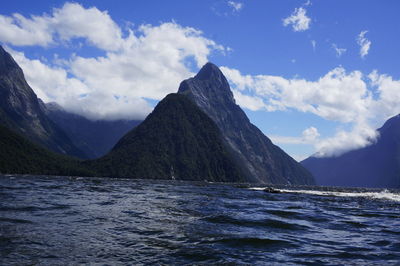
96,138
261,160
18,155
176,141
20,110
377,165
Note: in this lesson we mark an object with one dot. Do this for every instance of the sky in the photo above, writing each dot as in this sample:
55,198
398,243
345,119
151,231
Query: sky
317,77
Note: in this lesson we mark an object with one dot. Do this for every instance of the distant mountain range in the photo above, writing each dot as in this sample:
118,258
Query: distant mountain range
94,137
197,134
377,165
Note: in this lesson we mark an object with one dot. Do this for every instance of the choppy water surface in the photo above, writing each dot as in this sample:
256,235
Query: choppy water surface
70,221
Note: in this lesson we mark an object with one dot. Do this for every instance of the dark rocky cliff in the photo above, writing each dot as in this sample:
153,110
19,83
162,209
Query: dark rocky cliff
259,157
21,112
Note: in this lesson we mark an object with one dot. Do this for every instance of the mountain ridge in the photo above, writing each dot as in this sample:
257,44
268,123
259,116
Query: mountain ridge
264,162
20,110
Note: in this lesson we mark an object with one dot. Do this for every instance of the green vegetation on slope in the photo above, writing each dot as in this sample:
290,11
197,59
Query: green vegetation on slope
19,155
177,140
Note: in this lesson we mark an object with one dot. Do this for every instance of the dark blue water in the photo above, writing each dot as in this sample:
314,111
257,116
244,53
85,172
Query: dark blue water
57,221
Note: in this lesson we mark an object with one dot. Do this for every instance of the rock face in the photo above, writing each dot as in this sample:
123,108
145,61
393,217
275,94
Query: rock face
176,141
20,110
260,159
96,138
377,165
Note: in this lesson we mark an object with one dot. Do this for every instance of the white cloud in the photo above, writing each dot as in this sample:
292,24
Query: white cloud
298,20
361,135
19,30
148,62
236,6
65,23
252,103
309,136
364,43
338,51
337,96
53,84
314,44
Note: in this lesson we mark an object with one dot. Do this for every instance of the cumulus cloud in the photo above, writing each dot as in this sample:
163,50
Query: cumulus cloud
338,51
252,103
142,63
65,23
363,102
364,44
52,83
236,6
298,20
309,136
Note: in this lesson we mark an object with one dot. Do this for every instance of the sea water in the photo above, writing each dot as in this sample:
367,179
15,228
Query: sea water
68,221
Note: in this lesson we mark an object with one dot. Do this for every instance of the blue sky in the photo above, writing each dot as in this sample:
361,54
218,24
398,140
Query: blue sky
318,77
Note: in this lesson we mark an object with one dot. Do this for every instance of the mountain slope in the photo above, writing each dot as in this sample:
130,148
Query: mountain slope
177,140
377,165
96,138
20,110
19,155
262,160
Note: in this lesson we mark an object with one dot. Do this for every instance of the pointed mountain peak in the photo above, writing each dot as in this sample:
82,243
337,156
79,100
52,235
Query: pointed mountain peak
208,86
209,71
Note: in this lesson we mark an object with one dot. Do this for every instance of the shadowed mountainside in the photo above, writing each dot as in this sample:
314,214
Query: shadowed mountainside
20,110
19,155
176,141
377,165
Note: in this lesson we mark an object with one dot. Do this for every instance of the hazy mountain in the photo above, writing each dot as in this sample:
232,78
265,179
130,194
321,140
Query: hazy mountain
95,138
377,165
20,110
261,159
176,141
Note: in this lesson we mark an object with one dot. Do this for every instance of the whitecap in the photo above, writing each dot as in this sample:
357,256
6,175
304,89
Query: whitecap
381,195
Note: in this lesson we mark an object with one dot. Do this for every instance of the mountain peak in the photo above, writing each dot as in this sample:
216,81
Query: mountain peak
261,160
208,86
209,71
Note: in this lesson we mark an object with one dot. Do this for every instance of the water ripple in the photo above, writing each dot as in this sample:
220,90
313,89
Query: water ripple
62,220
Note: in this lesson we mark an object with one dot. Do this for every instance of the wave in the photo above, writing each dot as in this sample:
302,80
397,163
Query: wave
380,195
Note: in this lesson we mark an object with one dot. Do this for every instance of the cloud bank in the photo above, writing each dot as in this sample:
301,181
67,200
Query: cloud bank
361,101
146,62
